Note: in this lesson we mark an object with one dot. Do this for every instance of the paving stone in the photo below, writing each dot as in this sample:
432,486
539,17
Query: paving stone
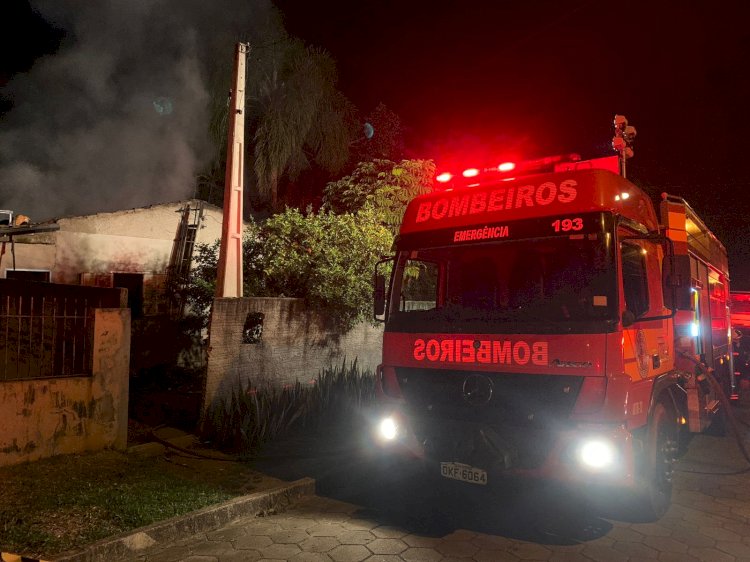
290,523
419,554
420,541
742,511
490,542
336,506
310,557
212,548
677,557
279,551
226,534
460,535
252,542
319,544
569,557
349,553
495,556
289,536
383,558
171,554
693,538
720,534
635,550
388,532
651,529
530,551
458,549
356,524
737,549
265,528
356,537
665,544
625,534
710,555
325,530
386,546
600,553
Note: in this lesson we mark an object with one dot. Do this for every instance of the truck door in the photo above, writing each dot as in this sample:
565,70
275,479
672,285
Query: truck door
646,342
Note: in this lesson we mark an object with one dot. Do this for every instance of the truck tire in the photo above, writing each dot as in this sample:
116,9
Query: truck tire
654,488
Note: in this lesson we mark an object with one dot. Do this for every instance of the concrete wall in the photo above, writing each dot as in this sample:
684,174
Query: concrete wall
45,417
294,346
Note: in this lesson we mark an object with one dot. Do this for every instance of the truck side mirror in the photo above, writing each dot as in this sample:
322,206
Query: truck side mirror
677,284
380,293
628,318
379,296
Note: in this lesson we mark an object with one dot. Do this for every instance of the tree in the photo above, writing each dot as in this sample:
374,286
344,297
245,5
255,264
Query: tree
387,139
383,186
296,114
324,258
327,259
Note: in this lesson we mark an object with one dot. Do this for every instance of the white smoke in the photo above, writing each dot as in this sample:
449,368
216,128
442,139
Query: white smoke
119,116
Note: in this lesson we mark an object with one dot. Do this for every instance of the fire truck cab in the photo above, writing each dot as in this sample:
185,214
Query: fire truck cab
536,326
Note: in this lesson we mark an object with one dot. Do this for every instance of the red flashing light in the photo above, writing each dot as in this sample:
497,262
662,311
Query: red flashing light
470,172
506,167
445,177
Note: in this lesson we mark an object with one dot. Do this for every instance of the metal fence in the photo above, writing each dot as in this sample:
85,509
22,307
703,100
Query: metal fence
46,330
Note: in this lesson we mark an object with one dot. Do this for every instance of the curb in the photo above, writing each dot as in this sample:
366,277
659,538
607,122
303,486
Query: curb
134,543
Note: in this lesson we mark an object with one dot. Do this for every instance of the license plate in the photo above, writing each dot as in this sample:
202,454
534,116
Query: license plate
463,472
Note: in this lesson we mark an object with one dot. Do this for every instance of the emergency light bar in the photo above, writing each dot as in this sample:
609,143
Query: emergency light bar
471,177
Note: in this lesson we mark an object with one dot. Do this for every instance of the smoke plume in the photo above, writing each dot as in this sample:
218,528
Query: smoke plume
119,116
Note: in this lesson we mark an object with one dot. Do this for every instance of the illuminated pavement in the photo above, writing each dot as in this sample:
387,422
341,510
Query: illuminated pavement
379,521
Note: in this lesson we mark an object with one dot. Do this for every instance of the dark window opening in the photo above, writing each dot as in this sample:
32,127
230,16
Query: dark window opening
253,329
133,282
28,275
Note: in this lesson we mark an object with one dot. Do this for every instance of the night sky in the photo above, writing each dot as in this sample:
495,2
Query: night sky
534,78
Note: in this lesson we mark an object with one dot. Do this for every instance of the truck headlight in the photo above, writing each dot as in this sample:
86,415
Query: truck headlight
388,428
597,454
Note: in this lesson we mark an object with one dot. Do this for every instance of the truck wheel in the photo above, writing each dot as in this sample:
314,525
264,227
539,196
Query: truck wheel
654,493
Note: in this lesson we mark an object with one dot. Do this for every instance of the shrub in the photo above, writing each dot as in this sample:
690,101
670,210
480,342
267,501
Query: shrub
253,416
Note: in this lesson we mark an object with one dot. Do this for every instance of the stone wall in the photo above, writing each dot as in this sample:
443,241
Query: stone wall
295,345
52,416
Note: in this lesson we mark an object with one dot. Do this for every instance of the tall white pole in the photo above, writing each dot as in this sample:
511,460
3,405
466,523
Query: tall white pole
229,277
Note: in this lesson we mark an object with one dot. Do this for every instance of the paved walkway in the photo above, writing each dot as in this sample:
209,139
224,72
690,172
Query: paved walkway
709,521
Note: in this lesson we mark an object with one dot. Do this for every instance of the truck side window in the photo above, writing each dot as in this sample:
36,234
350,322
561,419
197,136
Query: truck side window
419,288
635,279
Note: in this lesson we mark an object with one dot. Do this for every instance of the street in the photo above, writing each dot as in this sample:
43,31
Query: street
361,512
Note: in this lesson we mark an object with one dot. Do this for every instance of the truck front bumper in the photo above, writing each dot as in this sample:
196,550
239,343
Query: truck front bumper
576,455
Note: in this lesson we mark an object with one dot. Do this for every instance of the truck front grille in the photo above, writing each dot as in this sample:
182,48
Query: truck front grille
522,413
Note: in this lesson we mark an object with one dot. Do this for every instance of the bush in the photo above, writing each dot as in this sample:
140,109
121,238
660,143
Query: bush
253,416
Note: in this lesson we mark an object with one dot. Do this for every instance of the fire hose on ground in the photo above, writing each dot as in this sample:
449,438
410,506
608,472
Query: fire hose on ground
707,373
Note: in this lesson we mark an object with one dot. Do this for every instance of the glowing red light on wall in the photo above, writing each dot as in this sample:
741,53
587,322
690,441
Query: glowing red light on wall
470,172
444,177
506,167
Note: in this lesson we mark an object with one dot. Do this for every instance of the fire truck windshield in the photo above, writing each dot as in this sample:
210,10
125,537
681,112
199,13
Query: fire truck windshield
557,284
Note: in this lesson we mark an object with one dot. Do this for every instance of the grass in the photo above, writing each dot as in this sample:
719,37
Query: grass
66,502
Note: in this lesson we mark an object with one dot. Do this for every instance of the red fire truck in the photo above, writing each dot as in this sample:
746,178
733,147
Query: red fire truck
545,325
